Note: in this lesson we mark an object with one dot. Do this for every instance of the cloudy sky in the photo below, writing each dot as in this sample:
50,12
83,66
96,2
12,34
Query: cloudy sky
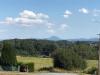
66,19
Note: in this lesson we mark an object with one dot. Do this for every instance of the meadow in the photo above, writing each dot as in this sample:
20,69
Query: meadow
92,63
43,62
48,62
38,61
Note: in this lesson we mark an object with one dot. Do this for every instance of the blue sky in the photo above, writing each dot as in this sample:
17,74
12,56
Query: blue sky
66,19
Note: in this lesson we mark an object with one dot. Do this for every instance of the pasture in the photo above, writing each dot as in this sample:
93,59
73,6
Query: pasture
38,62
48,62
44,62
91,63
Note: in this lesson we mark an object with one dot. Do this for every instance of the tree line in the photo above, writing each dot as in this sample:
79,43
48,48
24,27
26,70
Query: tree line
34,47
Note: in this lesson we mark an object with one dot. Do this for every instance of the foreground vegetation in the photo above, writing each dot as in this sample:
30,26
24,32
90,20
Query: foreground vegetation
49,55
48,62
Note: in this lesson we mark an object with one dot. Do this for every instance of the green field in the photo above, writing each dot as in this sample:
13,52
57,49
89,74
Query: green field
44,62
39,62
92,63
48,62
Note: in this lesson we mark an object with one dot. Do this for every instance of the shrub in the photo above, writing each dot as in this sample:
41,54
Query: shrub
68,59
91,70
19,63
24,66
50,69
30,67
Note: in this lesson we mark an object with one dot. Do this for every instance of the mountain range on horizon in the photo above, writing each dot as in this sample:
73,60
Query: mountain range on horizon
55,38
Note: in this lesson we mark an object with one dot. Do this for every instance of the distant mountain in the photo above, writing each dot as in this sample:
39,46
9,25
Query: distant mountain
93,39
54,38
83,39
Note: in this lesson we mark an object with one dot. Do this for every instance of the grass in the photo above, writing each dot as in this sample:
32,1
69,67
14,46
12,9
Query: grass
15,73
48,62
44,62
92,63
38,62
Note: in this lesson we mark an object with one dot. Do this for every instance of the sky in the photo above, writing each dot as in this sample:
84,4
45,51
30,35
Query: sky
67,19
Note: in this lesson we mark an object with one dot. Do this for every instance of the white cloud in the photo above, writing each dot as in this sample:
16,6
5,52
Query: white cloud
67,13
84,10
57,29
50,30
8,20
64,26
41,15
50,25
33,15
27,18
27,14
96,16
29,22
96,12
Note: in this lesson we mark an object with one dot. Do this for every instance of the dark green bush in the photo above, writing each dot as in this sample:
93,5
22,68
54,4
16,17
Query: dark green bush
50,69
67,59
91,70
19,63
30,67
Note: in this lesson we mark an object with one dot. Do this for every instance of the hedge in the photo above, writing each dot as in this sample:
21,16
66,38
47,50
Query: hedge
30,67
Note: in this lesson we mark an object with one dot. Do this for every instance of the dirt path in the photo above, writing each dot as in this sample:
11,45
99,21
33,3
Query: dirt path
17,73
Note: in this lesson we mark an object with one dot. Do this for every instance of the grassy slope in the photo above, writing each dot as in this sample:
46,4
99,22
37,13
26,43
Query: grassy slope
39,62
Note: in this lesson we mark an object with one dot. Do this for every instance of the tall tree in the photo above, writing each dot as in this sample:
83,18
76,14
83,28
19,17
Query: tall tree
8,54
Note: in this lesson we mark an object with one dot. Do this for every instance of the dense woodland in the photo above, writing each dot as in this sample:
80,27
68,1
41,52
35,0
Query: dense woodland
45,48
